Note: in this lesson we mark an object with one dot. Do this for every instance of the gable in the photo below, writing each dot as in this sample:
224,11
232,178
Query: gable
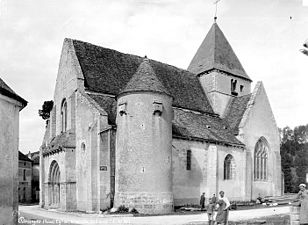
108,71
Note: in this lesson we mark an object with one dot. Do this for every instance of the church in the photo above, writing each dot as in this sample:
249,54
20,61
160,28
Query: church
133,131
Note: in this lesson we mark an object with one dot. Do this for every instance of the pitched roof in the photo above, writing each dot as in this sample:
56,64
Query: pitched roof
63,140
186,124
22,157
205,127
7,91
215,52
144,79
235,111
109,104
108,71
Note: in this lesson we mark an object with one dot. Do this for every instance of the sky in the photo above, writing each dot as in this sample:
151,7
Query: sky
266,35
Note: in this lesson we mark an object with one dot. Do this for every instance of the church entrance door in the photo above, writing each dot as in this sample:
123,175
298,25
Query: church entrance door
54,185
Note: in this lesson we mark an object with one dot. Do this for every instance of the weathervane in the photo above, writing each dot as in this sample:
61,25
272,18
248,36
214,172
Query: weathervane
216,3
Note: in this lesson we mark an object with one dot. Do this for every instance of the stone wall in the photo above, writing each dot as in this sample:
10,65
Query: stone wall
217,85
143,153
92,152
259,121
66,161
234,188
9,133
25,182
188,185
206,173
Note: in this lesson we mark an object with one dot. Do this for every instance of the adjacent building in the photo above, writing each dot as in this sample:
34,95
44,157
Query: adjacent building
25,178
128,130
10,106
35,157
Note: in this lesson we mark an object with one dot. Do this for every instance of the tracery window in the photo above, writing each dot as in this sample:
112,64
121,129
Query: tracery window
229,167
260,159
63,115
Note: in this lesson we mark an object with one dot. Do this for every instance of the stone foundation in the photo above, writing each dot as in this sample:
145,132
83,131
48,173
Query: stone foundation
146,202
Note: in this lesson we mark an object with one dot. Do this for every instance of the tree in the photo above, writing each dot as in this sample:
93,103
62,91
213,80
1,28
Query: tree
294,156
46,108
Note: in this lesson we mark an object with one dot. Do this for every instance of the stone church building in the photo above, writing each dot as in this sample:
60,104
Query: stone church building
128,130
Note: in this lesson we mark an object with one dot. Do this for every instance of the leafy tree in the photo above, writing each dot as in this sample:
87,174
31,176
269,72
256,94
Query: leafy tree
45,111
294,156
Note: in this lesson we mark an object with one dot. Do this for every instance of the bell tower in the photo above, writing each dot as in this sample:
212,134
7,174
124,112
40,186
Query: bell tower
219,70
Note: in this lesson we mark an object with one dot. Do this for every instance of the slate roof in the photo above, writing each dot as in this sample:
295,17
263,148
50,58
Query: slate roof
145,79
64,140
35,156
108,71
186,124
215,52
7,91
235,112
107,103
190,125
22,157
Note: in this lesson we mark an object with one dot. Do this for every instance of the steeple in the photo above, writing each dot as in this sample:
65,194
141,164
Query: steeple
145,79
215,52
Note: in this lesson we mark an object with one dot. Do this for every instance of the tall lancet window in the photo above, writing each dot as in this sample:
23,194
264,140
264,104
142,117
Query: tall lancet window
260,159
229,168
63,116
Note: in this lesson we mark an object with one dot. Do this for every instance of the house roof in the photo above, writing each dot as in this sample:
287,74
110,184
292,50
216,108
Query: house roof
108,71
215,52
190,125
7,91
235,111
22,157
145,79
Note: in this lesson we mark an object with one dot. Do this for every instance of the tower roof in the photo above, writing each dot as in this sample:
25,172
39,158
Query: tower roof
145,79
215,52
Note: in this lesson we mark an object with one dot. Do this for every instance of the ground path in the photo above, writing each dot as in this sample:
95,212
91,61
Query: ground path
55,217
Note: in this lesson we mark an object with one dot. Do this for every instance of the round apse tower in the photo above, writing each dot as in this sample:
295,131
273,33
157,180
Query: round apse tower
143,177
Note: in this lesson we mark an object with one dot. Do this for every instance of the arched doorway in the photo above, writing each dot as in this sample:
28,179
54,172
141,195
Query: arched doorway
54,184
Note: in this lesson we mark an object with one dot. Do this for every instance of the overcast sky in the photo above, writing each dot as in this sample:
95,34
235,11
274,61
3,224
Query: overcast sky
266,35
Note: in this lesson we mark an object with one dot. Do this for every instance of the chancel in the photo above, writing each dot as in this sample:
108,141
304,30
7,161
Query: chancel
129,130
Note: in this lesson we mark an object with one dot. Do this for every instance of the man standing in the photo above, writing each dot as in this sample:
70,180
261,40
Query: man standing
223,210
202,201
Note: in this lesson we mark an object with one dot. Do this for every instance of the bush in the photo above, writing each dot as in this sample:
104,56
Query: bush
122,209
134,211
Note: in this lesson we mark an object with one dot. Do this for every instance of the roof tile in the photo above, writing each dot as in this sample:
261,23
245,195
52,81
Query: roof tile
215,52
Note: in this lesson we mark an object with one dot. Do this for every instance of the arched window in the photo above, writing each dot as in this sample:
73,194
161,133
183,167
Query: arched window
63,115
229,167
260,159
83,147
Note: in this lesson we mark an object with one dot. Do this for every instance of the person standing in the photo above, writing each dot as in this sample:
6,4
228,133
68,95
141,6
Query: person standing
211,210
202,201
303,197
223,209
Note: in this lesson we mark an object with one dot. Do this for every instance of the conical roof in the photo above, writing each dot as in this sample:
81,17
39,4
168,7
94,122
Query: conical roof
145,79
215,52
